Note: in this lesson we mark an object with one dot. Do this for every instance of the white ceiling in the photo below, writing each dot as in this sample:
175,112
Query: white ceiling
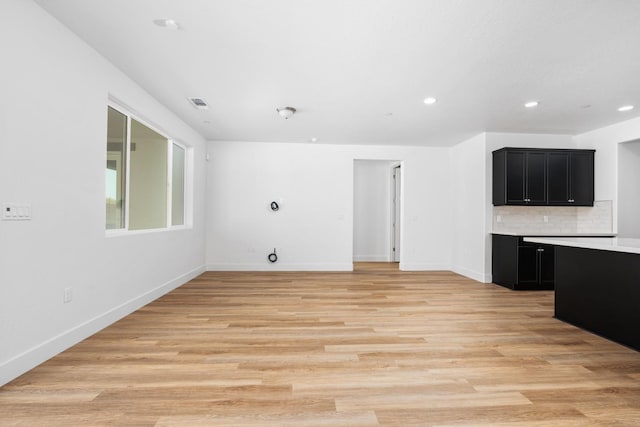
346,64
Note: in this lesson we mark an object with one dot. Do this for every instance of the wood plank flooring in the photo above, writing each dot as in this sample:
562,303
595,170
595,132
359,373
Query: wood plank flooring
372,347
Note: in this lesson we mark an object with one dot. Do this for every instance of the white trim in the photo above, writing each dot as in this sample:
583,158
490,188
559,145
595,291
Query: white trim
186,168
127,173
189,186
371,258
424,267
281,267
119,232
132,113
475,275
31,358
169,188
396,199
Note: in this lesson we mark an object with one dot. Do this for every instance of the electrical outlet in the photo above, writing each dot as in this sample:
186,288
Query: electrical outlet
545,218
499,218
68,295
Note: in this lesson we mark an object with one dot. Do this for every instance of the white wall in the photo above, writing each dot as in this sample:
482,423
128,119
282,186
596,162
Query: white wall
53,113
468,173
629,189
496,140
606,141
314,228
372,210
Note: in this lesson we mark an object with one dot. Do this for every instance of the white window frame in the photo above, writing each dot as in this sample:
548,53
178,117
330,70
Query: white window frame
188,178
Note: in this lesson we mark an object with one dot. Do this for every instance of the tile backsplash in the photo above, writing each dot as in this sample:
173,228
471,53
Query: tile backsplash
554,219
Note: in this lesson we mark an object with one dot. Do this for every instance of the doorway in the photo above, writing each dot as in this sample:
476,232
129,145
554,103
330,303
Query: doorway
377,200
396,186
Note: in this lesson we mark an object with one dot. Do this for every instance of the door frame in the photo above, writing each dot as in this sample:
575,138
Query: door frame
395,216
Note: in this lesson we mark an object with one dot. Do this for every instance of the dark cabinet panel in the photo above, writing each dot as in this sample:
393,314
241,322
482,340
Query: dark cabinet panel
519,265
515,178
581,178
536,178
528,176
598,291
504,260
558,174
527,265
547,265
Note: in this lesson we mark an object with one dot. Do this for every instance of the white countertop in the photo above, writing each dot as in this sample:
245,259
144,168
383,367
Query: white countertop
556,234
617,244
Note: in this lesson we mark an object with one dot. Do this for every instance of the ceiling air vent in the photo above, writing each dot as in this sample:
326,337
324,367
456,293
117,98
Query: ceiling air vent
199,103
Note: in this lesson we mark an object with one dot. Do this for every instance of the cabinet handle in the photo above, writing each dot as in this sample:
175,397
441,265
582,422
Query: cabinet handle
540,250
571,200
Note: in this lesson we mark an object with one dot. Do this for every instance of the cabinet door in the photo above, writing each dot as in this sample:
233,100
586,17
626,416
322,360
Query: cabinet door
536,178
504,260
515,177
581,178
547,267
558,178
499,167
527,264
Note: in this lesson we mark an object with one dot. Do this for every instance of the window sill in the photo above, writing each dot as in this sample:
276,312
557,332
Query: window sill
122,232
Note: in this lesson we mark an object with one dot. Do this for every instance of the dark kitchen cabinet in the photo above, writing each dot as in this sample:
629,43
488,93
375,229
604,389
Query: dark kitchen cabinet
520,265
570,177
542,177
525,177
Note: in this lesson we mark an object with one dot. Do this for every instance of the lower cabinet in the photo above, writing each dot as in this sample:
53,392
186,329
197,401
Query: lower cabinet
521,265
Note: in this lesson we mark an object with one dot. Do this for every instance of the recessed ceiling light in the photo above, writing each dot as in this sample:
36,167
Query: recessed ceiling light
169,24
388,114
532,104
430,100
626,108
314,139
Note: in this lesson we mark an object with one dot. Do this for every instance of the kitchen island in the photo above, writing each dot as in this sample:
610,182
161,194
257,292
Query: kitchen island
597,285
519,264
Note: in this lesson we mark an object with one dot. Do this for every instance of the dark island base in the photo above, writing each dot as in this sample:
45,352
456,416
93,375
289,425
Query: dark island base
599,291
527,286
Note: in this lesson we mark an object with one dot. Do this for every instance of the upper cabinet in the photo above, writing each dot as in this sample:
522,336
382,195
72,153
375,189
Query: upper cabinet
570,175
525,177
543,177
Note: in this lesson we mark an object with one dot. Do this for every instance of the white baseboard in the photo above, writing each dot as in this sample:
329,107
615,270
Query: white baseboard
31,358
424,267
475,275
371,258
280,267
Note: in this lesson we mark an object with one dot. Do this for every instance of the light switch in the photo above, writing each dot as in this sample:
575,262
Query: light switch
16,211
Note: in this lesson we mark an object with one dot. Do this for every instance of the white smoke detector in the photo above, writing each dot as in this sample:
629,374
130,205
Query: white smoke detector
286,112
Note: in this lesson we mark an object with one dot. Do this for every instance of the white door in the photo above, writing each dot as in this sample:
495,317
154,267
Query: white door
395,213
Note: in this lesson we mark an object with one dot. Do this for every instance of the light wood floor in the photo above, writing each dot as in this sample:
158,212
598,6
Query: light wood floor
372,347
